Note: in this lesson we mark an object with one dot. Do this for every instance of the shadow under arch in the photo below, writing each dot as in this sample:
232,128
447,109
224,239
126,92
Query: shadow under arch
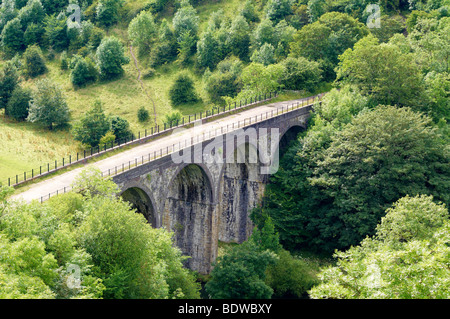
142,203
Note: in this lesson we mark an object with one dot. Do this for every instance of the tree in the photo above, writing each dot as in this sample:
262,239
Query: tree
142,31
18,104
300,74
240,274
278,10
185,20
12,37
265,55
34,64
183,90
120,128
342,167
143,115
84,72
108,11
207,54
389,77
48,105
110,58
240,38
405,259
132,259
56,31
9,81
92,126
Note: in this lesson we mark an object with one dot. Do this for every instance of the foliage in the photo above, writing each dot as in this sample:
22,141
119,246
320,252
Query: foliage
183,90
110,58
12,37
120,127
240,274
405,259
92,126
107,11
143,114
34,64
142,31
300,74
389,77
84,72
114,253
342,168
18,104
48,105
9,81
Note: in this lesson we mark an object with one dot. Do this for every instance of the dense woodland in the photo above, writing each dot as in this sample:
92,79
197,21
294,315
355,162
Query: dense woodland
359,207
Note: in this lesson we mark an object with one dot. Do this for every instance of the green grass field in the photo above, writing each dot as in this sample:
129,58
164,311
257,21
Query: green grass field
26,146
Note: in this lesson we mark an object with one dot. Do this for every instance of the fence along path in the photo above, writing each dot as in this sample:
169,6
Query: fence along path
140,137
164,146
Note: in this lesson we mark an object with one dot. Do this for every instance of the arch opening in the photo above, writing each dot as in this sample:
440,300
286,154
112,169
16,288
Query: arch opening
141,202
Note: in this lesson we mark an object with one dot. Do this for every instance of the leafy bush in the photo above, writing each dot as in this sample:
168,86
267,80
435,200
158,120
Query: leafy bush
110,57
84,72
48,105
143,114
18,104
92,126
34,64
183,91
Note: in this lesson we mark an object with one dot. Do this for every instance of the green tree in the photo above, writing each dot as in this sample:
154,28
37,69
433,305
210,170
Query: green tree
83,73
342,169
18,104
107,11
92,126
142,31
265,55
9,81
389,77
110,58
56,31
48,105
182,90
207,54
240,274
120,128
405,259
300,74
277,10
12,37
33,62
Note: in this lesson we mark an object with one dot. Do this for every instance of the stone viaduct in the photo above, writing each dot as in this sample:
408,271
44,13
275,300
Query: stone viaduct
204,194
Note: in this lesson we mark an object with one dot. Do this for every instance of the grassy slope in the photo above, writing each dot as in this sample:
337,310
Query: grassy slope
25,146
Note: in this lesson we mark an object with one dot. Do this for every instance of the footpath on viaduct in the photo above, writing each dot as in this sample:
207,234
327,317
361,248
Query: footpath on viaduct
200,182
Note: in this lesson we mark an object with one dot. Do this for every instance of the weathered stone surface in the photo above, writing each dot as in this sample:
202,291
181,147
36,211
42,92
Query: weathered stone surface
211,199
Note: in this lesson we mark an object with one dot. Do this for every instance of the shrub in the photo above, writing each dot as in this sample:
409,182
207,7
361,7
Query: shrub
34,64
183,91
143,114
18,104
110,57
120,127
48,106
92,127
83,73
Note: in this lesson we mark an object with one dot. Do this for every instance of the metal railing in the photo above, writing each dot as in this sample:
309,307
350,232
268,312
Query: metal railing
205,136
152,132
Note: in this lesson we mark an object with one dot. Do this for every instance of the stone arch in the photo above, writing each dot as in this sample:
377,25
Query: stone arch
188,212
142,200
239,189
